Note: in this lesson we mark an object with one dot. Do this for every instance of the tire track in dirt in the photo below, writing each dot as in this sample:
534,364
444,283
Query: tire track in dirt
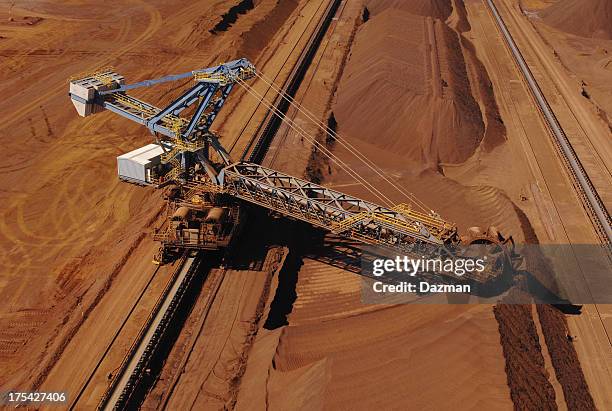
155,23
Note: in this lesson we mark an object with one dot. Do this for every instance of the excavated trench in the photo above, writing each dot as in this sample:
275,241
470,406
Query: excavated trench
232,15
285,296
565,359
521,346
299,238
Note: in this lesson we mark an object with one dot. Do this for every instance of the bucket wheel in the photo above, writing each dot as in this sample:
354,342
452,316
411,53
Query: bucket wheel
496,246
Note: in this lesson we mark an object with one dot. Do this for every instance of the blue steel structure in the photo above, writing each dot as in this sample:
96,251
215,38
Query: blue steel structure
186,140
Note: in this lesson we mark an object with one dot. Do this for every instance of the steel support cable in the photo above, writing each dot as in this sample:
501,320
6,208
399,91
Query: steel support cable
343,142
352,149
317,144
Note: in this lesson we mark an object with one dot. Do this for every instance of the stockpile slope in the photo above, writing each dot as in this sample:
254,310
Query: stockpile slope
394,356
586,18
408,73
421,356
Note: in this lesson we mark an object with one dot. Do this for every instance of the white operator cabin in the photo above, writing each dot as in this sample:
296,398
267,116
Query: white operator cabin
136,166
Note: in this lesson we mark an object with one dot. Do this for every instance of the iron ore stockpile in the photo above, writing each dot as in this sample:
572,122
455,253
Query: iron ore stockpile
185,230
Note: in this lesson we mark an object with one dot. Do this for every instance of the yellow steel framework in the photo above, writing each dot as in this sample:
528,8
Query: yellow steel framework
435,224
171,121
224,78
102,74
438,227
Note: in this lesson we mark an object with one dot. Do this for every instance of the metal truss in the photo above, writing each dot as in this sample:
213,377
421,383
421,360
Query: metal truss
332,210
212,88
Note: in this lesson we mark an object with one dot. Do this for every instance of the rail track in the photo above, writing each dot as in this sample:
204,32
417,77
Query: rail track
587,193
240,135
126,387
271,157
258,146
120,393
591,325
110,345
183,263
214,281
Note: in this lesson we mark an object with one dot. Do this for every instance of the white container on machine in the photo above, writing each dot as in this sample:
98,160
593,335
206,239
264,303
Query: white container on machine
136,166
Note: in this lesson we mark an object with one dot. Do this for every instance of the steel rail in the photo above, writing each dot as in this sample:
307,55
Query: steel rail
147,336
598,212
257,147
